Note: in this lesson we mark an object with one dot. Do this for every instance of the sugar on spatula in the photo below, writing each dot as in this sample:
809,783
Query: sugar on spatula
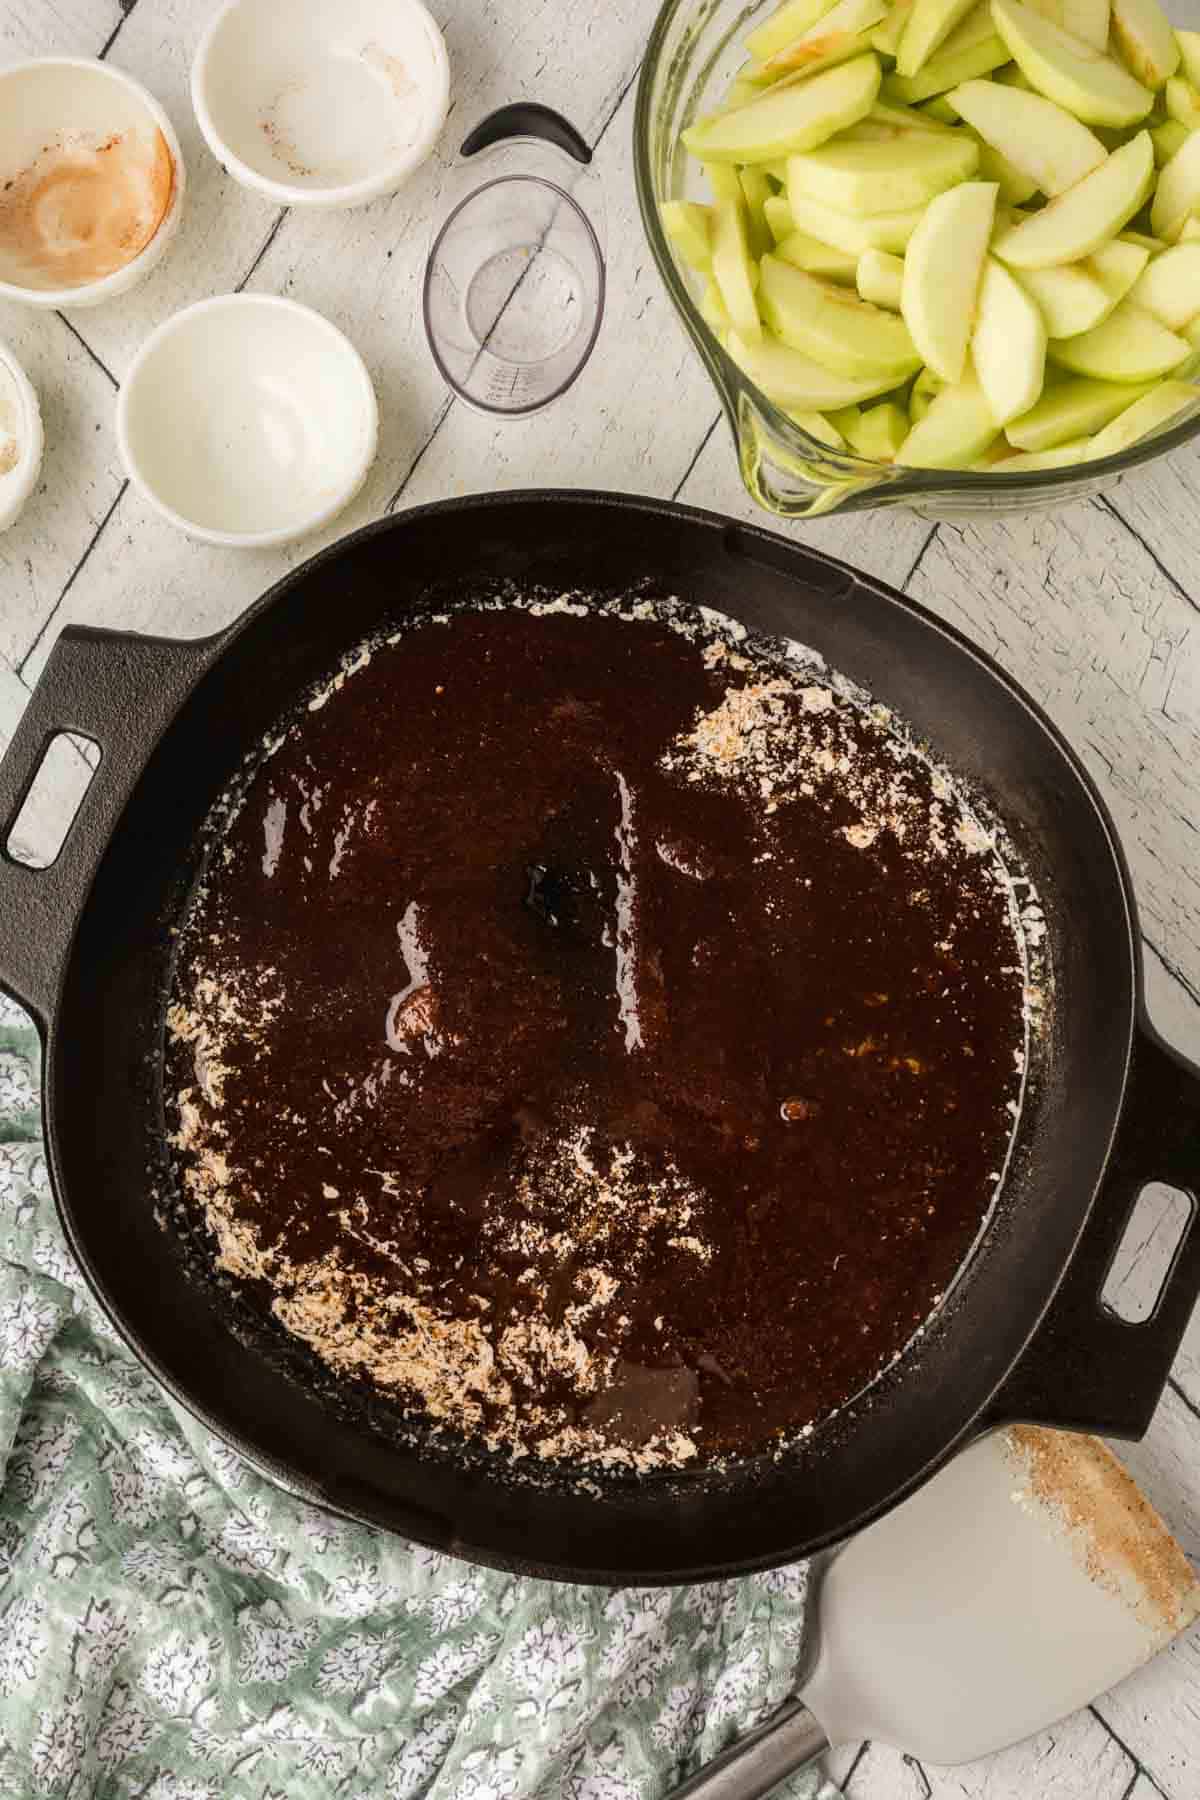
1024,1579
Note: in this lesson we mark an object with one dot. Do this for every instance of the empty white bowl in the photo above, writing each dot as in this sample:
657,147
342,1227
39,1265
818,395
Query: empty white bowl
321,102
20,437
91,182
247,420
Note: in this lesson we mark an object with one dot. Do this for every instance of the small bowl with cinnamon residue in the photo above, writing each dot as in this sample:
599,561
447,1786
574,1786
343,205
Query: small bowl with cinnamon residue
20,438
321,102
91,182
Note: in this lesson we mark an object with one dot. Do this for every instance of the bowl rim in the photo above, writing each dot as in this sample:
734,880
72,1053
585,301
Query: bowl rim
385,180
29,463
900,482
303,524
91,293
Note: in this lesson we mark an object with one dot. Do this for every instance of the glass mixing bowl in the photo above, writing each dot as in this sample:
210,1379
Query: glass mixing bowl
694,49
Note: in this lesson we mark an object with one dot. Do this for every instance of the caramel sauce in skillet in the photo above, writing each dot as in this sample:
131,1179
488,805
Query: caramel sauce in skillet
543,1059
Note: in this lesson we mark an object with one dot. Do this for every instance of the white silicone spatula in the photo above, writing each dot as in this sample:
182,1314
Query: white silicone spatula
1023,1580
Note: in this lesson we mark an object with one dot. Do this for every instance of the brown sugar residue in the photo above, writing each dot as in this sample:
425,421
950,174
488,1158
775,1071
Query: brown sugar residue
83,208
1121,1541
10,454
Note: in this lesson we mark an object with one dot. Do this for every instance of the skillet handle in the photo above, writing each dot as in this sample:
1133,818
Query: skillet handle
1085,1369
120,691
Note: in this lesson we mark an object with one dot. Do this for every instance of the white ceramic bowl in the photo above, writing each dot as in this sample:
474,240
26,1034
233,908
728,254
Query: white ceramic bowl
247,420
20,438
89,162
321,102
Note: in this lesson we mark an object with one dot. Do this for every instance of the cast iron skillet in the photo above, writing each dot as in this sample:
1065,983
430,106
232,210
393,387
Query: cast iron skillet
85,944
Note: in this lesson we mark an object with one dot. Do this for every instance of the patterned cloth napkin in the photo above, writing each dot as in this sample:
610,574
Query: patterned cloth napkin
173,1627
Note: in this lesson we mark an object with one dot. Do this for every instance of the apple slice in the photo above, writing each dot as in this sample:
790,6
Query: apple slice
1026,462
1170,286
1189,53
942,269
1130,345
1070,299
1116,267
785,25
819,427
808,253
1167,138
1148,414
955,432
925,389
1073,409
732,268
1143,241
1143,35
853,234
1073,74
972,49
1191,229
1182,102
778,215
890,124
1037,137
1087,20
1178,191
789,117
938,108
888,177
795,382
1087,215
879,431
879,278
1015,188
714,311
886,37
1008,346
930,23
836,36
687,224
756,191
833,326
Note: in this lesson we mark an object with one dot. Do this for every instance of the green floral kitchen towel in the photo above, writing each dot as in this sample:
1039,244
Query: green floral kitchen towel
173,1627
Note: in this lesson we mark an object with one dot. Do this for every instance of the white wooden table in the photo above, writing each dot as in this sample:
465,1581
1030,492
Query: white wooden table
1092,610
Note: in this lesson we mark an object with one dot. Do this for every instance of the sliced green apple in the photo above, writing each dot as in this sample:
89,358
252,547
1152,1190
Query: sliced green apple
837,35
886,37
1008,345
1130,345
787,23
1116,267
1087,20
942,269
853,234
1036,136
1169,287
1143,35
879,278
880,431
940,109
1087,215
818,426
778,215
1189,53
733,270
687,225
756,190
1182,101
1027,462
886,123
1070,299
1142,240
930,23
833,326
1015,187
925,389
714,311
724,182
884,177
797,383
790,117
815,258
1073,74
1178,191
1148,414
1073,409
1191,229
972,49
1167,138
956,431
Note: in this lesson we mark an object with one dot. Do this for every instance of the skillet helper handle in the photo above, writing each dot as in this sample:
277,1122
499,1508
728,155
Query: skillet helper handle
1085,1368
119,691
789,1740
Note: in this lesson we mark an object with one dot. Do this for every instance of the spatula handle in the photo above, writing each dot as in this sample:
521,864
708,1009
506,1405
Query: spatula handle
789,1740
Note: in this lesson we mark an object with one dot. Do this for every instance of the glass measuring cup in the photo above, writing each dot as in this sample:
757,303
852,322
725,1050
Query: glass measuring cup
514,284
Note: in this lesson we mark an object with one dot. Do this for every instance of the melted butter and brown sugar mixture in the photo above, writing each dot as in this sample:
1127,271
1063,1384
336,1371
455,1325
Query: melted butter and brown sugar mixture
603,1036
